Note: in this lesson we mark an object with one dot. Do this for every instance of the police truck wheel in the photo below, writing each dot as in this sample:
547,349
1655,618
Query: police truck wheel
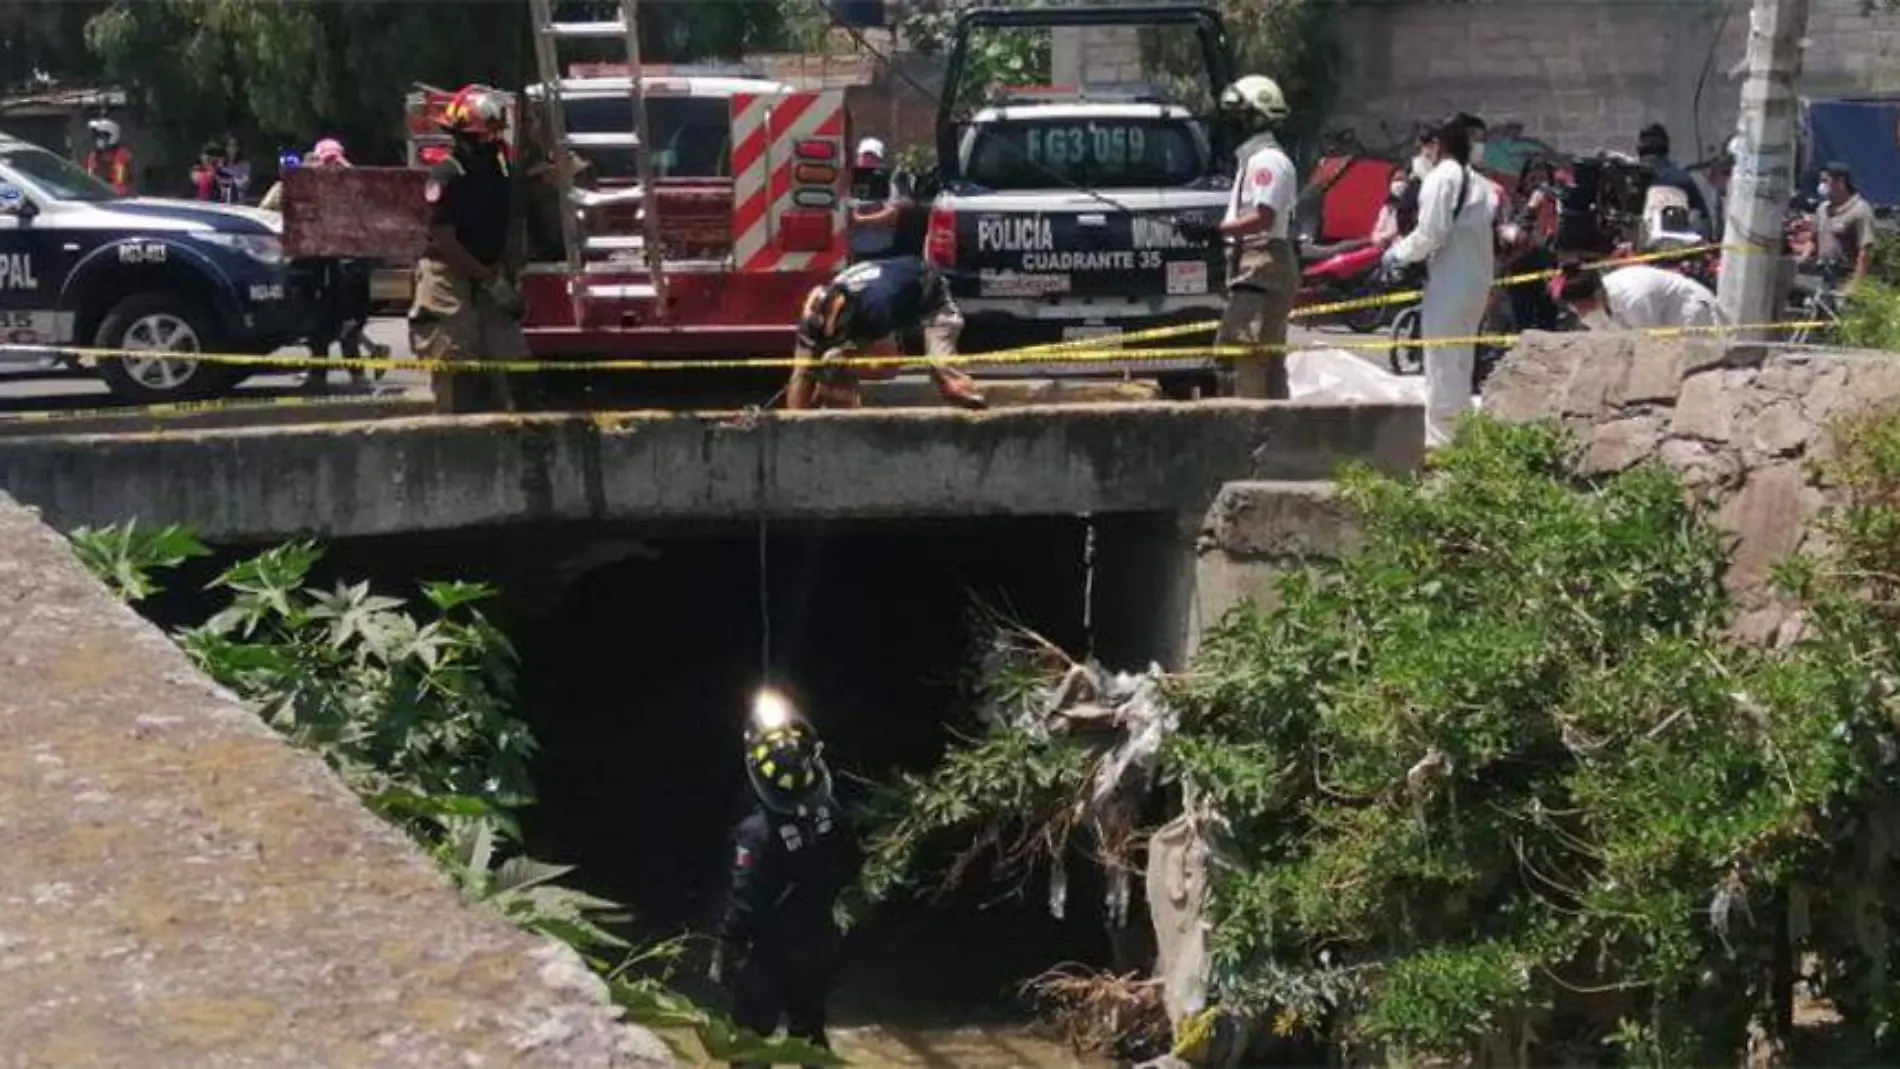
158,323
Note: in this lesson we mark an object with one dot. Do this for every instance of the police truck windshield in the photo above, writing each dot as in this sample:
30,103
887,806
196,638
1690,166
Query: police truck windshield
52,177
1087,153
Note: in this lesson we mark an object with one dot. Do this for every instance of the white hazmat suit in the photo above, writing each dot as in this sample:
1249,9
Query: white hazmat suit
1640,297
1456,244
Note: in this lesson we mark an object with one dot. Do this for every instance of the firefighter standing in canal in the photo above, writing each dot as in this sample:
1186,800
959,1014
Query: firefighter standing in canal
465,307
792,853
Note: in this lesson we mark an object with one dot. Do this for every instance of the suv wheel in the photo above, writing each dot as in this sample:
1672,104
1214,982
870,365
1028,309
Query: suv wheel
158,323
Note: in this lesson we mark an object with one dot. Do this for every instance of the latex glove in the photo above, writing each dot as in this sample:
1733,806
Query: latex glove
1196,231
1389,259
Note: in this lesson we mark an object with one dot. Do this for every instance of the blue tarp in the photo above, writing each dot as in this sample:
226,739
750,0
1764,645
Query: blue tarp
1862,133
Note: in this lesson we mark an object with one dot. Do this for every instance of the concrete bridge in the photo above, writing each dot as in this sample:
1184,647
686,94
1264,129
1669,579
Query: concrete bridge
158,909
400,476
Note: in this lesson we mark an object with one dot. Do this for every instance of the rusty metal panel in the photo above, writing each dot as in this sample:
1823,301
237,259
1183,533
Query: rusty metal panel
368,212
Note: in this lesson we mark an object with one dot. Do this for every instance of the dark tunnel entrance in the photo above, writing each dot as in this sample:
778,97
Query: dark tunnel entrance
638,689
641,651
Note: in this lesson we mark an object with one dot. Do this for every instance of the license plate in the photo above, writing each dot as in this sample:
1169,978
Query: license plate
1187,277
1076,333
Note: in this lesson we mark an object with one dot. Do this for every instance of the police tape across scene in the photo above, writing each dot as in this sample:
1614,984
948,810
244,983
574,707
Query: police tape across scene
1091,349
864,362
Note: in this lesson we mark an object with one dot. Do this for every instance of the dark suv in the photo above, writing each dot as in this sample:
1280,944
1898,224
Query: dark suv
81,267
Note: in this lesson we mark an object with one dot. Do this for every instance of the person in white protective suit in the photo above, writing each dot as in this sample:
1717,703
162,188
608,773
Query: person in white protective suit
1455,239
1638,297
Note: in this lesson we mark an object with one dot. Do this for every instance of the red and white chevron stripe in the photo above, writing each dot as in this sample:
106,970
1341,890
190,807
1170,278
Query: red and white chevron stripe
766,128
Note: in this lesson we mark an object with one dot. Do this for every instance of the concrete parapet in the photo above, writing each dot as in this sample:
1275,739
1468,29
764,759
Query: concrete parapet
182,888
447,473
1256,531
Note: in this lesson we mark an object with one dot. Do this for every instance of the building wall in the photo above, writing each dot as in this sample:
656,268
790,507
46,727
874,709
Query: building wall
1587,74
1581,74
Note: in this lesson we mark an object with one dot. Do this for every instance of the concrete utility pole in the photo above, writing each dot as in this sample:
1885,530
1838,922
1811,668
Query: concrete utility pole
1753,286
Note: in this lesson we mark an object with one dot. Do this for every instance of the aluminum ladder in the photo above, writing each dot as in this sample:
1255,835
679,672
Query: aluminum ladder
583,247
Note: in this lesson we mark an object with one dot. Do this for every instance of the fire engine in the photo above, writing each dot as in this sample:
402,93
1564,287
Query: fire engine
679,212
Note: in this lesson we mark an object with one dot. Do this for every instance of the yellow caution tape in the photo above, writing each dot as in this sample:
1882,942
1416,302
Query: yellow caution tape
182,408
187,408
1079,350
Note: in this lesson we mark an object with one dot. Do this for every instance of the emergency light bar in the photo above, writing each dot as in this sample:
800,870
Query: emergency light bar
1110,93
665,70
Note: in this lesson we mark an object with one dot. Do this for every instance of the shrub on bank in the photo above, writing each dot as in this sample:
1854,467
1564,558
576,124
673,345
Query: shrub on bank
1498,788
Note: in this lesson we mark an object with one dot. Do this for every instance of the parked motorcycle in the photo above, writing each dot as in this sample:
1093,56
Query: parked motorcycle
1346,271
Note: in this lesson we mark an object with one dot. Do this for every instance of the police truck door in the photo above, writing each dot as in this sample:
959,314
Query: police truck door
29,290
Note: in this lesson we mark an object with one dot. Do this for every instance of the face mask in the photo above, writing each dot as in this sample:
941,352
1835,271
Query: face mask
1825,189
1421,166
1397,189
1477,152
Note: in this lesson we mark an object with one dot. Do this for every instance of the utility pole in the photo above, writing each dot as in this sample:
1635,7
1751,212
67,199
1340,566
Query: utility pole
1753,289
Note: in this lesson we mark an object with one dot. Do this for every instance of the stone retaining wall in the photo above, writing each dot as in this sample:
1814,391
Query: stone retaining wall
1740,426
182,888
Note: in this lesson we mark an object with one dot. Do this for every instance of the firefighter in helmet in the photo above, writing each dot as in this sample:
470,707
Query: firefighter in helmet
791,855
109,161
862,311
466,306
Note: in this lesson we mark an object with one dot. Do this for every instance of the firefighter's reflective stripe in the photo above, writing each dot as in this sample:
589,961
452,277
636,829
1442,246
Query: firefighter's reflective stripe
766,129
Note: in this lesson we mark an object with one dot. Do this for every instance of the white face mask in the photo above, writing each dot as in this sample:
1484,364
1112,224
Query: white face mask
1397,188
1421,166
1477,153
1825,189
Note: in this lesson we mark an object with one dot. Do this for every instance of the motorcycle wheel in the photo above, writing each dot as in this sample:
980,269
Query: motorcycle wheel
1367,320
1406,359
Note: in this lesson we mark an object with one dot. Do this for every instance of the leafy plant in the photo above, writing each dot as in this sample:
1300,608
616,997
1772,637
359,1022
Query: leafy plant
1498,788
415,715
125,557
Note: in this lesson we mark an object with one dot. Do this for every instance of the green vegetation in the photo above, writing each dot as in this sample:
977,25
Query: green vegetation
1498,788
413,708
287,73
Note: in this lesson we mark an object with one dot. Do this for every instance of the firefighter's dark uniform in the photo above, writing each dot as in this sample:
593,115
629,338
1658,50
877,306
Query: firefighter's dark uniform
777,937
454,317
865,304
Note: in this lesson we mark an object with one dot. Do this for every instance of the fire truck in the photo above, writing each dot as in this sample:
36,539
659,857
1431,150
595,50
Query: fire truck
676,212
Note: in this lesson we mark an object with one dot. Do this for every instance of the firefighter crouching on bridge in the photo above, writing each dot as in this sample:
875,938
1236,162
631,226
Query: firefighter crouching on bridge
1263,270
465,307
858,313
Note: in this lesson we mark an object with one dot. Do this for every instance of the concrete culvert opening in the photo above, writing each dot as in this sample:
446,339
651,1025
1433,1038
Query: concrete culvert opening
640,653
638,685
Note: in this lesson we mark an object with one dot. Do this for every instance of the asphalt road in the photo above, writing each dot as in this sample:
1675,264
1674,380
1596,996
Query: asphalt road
70,391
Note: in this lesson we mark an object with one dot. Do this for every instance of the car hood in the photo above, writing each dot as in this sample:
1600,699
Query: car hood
190,214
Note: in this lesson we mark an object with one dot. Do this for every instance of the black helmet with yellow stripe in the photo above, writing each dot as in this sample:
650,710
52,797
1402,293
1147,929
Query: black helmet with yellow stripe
784,760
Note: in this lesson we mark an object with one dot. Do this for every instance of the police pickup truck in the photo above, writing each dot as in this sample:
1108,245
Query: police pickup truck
81,267
1058,226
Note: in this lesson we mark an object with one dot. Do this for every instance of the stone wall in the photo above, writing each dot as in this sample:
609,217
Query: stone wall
182,888
1741,426
1587,74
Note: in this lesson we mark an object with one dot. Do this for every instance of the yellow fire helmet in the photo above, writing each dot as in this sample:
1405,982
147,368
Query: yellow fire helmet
784,759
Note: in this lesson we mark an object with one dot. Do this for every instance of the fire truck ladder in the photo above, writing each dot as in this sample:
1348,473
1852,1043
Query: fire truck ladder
583,247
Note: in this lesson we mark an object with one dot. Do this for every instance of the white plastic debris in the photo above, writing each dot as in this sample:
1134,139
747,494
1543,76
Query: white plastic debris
1341,375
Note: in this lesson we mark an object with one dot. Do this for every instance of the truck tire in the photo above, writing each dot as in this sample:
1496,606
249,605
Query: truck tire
160,320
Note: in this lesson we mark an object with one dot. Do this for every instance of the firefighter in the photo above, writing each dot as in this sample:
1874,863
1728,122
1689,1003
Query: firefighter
109,161
860,311
465,306
792,853
1263,271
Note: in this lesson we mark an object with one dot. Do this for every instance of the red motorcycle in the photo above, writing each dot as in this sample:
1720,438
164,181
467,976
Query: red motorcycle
1345,271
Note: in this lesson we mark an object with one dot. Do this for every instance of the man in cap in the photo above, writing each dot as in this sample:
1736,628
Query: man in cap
878,202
